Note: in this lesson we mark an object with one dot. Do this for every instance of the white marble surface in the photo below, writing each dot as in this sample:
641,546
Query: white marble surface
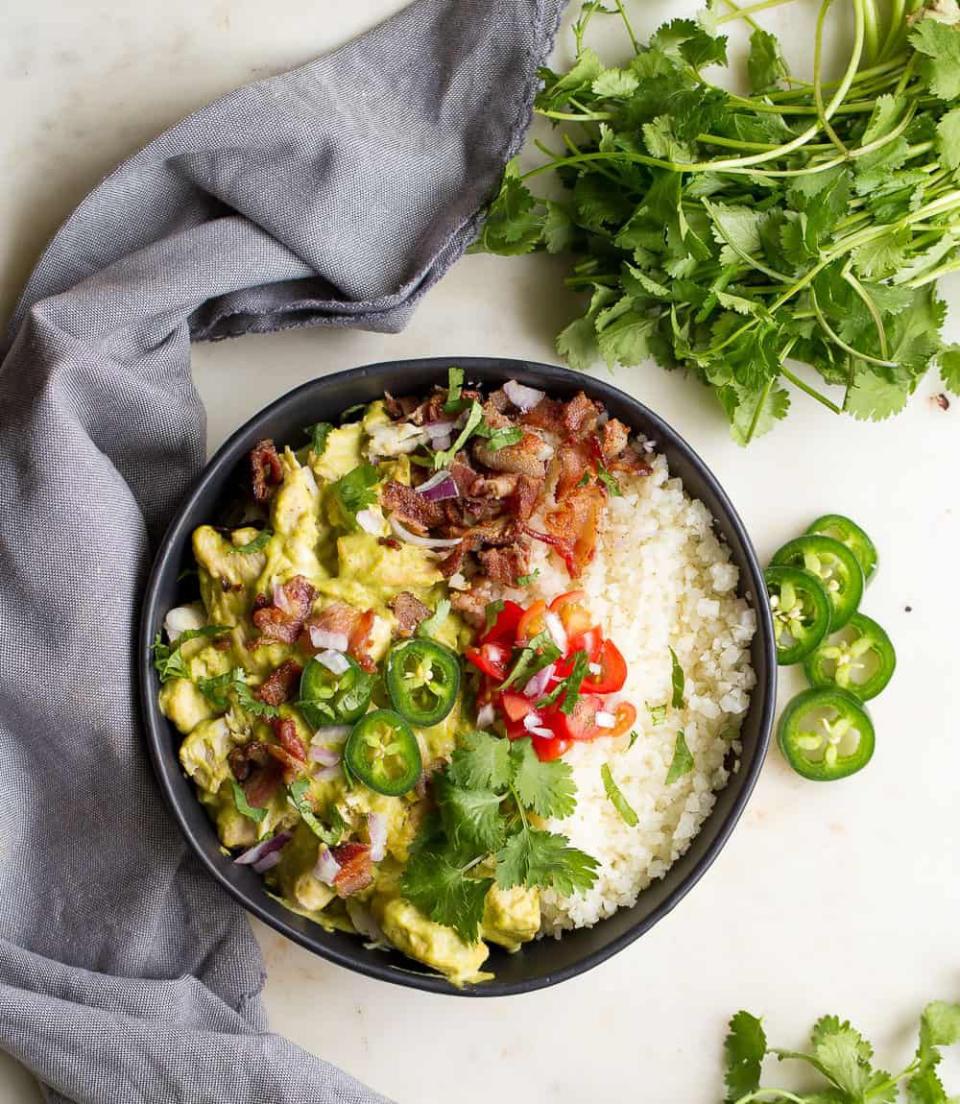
837,898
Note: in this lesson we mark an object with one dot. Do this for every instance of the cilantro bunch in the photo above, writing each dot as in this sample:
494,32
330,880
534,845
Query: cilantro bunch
489,803
843,1062
742,236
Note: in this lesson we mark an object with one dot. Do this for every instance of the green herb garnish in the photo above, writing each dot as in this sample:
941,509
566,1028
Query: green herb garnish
354,492
483,835
454,403
219,688
634,736
318,435
619,802
573,681
682,762
526,580
257,544
613,487
734,234
168,660
539,652
243,806
677,681
351,410
474,418
498,439
491,612
658,714
297,799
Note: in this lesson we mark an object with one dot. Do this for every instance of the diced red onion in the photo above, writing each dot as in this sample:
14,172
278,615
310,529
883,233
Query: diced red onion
268,862
486,715
182,618
532,721
280,598
323,640
439,487
260,850
335,662
377,829
327,774
422,542
594,668
368,521
602,719
332,734
362,919
523,398
546,733
436,430
441,444
538,684
558,634
327,867
326,756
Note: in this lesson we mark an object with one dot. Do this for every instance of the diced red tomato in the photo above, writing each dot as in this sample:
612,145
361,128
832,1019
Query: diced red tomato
626,714
574,616
548,749
532,621
515,706
581,723
504,629
613,671
492,659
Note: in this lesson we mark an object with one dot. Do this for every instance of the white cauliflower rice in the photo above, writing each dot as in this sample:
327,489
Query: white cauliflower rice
660,579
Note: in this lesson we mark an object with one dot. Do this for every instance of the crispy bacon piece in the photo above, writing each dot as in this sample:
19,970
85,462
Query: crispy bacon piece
547,415
411,509
356,868
338,617
472,604
561,545
453,561
390,542
257,770
283,622
506,565
526,457
576,521
631,462
580,415
265,469
409,612
360,640
613,438
463,475
277,687
571,461
431,410
526,493
399,408
285,730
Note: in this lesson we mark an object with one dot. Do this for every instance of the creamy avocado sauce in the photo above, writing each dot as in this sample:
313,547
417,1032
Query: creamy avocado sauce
312,536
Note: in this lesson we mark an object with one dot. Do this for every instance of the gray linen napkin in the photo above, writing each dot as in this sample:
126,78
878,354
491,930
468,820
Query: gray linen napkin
335,194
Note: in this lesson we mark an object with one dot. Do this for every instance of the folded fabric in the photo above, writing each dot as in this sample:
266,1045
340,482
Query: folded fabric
336,194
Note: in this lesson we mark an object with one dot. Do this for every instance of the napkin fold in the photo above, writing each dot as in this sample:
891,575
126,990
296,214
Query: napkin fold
336,194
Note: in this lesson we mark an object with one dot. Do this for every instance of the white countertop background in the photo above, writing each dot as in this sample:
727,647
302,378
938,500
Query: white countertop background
837,898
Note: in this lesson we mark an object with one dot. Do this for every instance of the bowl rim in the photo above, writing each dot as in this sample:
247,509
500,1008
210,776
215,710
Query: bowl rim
166,767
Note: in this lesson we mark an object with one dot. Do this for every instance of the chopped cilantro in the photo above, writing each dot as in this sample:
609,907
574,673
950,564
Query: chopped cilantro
485,799
257,544
634,736
354,492
243,806
677,681
498,439
218,688
491,612
658,713
619,802
609,482
318,435
454,403
526,580
539,652
584,479
298,800
432,624
351,410
682,762
573,681
168,659
474,418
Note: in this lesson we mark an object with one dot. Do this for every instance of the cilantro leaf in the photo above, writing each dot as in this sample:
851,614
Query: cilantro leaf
744,1050
682,762
539,652
257,544
498,439
677,681
545,787
244,807
297,798
526,580
354,492
573,681
533,857
950,368
577,343
873,397
765,64
454,403
482,761
445,891
218,688
491,611
168,659
658,714
939,43
617,798
474,418
514,220
471,817
431,625
948,138
318,435
610,482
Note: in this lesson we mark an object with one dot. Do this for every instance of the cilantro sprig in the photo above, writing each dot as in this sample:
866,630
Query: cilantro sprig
741,236
219,689
354,492
490,801
168,659
841,1061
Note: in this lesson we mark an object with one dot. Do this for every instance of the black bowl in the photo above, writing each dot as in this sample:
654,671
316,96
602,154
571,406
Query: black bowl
547,961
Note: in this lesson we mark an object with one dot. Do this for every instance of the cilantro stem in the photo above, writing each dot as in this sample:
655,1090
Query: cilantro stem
633,37
811,391
868,302
817,65
758,410
933,274
745,13
775,1094
838,341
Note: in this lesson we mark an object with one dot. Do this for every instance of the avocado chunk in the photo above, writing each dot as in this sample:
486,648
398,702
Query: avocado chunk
203,754
432,944
183,704
511,916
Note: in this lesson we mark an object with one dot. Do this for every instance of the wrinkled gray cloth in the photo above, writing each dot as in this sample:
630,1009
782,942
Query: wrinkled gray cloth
336,194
